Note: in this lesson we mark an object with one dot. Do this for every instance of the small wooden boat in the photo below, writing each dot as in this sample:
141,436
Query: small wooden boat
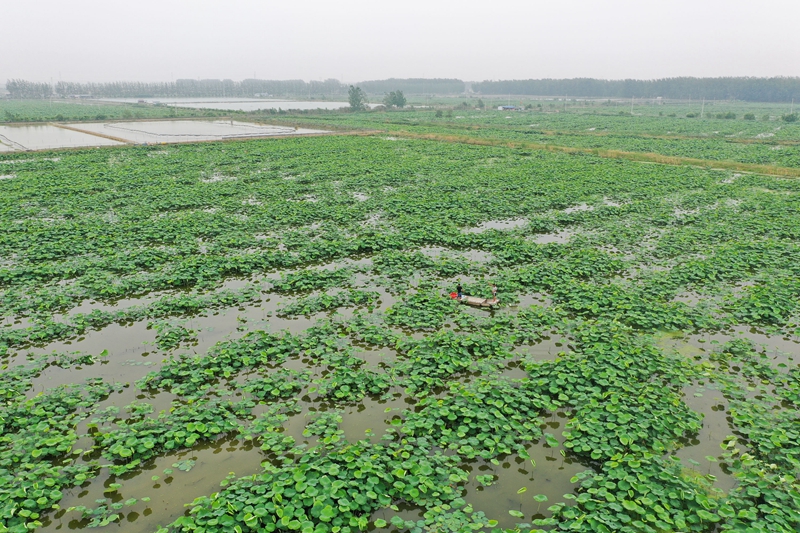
475,301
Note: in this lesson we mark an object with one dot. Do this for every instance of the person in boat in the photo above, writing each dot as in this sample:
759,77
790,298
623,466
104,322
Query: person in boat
459,289
494,291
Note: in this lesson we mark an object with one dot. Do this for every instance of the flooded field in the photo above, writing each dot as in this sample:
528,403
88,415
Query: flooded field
498,225
173,131
192,330
41,137
45,137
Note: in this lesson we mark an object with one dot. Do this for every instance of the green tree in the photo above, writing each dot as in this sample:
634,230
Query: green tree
357,98
481,105
394,98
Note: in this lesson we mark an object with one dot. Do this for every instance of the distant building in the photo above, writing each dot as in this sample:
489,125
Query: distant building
507,108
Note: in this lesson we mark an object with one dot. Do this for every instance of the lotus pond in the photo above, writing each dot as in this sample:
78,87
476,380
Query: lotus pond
257,336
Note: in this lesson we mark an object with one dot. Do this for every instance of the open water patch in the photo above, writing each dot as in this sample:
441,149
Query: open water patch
87,306
181,477
548,348
556,237
408,513
113,370
500,225
514,482
578,208
703,452
781,352
439,252
216,178
118,340
537,299
370,418
176,131
377,360
46,136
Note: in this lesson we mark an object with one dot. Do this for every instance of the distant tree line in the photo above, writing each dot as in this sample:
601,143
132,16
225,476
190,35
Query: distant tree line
28,89
179,88
777,89
414,86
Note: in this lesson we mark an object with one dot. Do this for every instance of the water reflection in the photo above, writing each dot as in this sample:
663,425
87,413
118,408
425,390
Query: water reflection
41,137
511,223
547,472
168,494
716,427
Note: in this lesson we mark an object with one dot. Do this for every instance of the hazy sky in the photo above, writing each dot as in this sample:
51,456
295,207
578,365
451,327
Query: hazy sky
160,40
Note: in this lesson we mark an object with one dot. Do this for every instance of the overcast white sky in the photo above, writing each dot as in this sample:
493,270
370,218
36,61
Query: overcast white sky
353,40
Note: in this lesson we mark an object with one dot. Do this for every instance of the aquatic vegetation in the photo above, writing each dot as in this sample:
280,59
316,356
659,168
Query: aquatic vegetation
320,336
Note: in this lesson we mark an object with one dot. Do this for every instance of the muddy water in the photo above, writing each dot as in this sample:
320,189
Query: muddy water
41,137
119,339
169,493
235,284
547,349
405,511
578,208
87,306
511,223
132,353
114,370
173,131
386,300
527,300
160,400
295,426
377,360
132,350
716,427
370,418
779,352
558,237
514,370
550,476
234,322
356,264
476,256
689,298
